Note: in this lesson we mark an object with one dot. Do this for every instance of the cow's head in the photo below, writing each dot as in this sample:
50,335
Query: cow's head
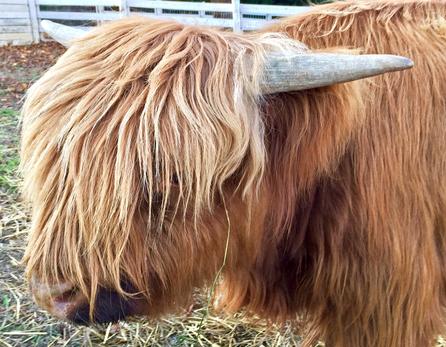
144,153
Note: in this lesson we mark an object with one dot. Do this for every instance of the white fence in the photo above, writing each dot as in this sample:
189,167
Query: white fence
19,19
15,22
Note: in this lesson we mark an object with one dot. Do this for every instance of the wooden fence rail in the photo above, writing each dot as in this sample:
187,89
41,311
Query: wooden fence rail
19,19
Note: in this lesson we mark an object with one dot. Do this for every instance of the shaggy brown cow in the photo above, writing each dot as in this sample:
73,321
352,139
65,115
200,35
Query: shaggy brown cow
153,162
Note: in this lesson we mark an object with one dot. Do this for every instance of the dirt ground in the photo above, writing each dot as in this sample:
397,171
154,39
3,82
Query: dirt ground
22,323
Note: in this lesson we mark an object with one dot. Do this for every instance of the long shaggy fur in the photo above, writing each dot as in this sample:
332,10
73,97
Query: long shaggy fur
129,141
148,144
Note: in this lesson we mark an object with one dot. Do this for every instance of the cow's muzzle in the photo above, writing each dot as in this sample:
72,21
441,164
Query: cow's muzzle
65,302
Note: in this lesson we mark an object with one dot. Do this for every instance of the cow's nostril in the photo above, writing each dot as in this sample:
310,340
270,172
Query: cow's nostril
67,299
67,295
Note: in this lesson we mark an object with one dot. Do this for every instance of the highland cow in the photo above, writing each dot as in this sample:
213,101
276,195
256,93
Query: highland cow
157,155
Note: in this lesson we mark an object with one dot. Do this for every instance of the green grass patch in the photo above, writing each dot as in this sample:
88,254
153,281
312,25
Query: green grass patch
9,162
9,156
6,300
8,113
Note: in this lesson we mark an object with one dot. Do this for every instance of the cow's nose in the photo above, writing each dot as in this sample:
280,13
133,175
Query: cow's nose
62,300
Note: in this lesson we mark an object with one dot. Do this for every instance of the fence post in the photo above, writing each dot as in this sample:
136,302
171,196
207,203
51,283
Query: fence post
236,16
34,20
100,11
158,11
124,8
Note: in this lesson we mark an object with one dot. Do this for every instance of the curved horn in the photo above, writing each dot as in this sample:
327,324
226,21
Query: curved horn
62,33
312,70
